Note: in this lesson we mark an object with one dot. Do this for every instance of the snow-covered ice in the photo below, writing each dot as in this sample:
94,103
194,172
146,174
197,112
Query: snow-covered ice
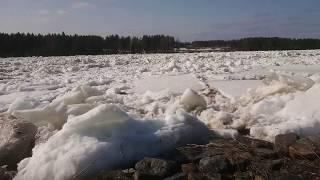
103,112
107,138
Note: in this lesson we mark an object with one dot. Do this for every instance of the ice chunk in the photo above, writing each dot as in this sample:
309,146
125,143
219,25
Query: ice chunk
113,90
103,117
224,117
107,138
22,103
286,104
297,82
171,66
56,112
216,119
191,100
78,109
226,133
164,95
270,105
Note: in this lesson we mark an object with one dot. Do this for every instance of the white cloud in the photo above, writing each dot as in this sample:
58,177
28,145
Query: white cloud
61,12
43,12
81,5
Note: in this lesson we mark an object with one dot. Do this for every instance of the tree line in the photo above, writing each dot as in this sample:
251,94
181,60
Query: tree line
260,44
26,44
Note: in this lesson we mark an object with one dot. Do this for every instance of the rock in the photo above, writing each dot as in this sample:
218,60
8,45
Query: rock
112,175
140,176
215,164
239,160
242,176
189,168
215,147
174,155
261,144
258,177
196,152
213,176
255,143
283,141
315,141
5,174
17,139
243,131
306,148
195,176
265,153
302,167
244,158
276,164
234,151
179,176
156,167
286,176
265,167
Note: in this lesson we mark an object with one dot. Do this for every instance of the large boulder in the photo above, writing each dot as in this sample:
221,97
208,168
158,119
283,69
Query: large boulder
156,167
215,164
306,148
241,158
17,139
265,153
254,143
283,141
189,168
226,154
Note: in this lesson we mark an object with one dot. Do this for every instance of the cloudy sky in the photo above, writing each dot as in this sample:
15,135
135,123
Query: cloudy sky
186,19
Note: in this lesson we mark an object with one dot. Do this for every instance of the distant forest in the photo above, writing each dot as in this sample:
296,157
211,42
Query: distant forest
260,44
21,44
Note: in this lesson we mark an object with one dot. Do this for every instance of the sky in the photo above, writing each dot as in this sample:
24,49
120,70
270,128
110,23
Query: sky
187,20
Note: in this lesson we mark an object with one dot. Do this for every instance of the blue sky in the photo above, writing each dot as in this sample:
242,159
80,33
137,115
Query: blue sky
186,19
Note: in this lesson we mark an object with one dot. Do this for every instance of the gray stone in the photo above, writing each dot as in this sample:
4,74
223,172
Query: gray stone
306,148
156,167
213,176
240,159
195,176
188,168
287,176
215,164
254,143
283,141
265,153
180,176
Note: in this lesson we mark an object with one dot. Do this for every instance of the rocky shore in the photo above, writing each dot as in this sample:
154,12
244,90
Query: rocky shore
290,157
